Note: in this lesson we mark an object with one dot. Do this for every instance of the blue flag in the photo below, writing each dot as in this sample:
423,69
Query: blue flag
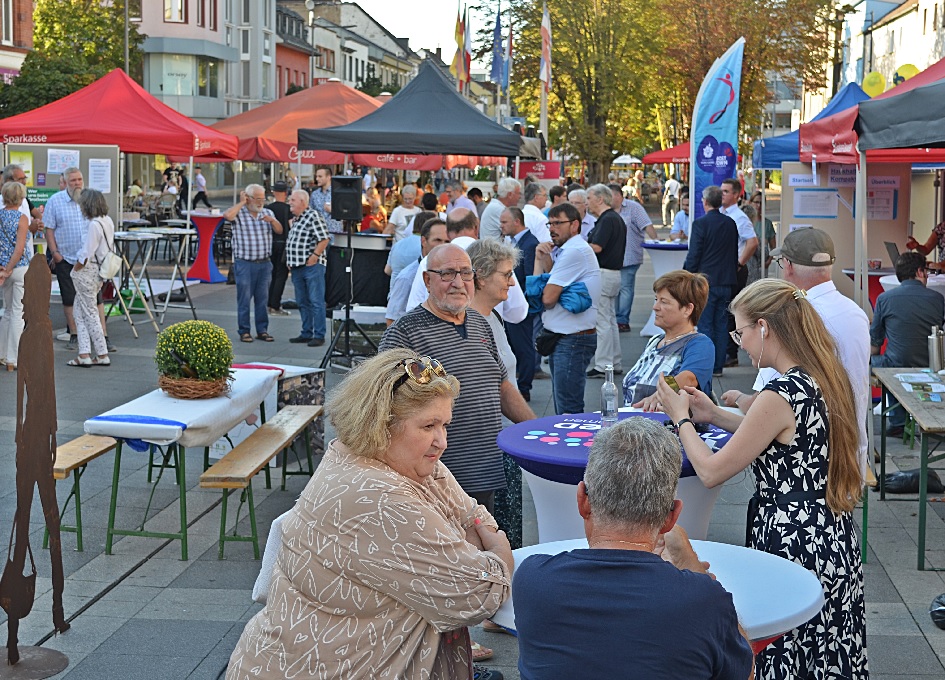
495,75
714,140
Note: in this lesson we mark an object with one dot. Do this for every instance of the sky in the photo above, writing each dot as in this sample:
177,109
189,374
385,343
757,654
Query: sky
425,23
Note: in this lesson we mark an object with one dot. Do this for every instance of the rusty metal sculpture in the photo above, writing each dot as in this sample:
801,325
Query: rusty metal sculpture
35,455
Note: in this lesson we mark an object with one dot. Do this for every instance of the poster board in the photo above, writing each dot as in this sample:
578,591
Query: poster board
825,200
44,163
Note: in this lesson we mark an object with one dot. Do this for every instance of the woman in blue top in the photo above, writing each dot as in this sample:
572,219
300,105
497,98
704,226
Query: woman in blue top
14,257
681,351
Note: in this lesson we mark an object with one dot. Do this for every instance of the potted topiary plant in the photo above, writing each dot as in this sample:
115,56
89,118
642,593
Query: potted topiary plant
193,359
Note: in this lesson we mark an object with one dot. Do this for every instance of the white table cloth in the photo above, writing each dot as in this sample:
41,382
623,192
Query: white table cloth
771,594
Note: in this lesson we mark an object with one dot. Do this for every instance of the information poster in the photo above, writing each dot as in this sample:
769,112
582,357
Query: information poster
25,160
100,174
815,203
59,159
881,204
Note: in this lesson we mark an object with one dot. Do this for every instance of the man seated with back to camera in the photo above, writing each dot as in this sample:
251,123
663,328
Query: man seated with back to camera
637,603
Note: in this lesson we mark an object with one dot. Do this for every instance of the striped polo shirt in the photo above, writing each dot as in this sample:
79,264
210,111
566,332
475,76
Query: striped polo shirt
467,351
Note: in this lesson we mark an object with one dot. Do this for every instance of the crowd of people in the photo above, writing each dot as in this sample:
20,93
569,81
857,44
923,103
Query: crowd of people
478,296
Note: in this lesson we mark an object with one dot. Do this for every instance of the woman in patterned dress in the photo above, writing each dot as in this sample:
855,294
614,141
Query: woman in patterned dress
800,440
384,560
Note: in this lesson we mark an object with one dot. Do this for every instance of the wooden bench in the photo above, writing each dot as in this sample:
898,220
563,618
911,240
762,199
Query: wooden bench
72,457
238,467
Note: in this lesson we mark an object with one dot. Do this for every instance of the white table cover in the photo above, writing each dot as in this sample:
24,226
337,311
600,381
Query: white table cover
771,594
207,419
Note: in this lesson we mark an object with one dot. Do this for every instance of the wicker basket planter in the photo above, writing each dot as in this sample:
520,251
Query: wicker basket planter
193,360
191,388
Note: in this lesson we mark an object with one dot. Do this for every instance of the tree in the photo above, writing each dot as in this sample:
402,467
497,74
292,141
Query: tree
599,102
293,88
373,86
75,42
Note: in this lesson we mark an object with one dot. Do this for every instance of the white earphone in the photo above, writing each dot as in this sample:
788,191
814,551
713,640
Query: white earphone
763,331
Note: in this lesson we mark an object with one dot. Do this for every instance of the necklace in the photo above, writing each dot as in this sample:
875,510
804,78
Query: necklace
671,340
645,546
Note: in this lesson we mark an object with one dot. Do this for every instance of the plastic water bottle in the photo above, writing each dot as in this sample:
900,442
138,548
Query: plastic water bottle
608,399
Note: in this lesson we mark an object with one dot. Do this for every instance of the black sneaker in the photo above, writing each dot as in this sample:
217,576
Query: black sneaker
316,342
594,373
483,673
300,340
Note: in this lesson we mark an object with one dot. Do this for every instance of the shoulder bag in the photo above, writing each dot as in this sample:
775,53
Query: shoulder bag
110,265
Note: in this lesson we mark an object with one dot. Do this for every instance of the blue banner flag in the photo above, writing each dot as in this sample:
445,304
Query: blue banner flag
495,75
714,140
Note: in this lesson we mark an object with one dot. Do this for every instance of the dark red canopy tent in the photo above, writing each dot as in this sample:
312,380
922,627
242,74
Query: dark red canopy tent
116,110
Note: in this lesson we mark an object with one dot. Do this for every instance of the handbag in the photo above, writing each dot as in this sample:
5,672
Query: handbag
546,342
17,590
110,265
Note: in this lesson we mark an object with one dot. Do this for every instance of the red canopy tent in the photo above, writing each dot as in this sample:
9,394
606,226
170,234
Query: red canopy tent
116,110
675,154
832,139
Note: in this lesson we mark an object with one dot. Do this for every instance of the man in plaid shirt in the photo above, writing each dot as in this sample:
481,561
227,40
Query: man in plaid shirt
305,255
252,244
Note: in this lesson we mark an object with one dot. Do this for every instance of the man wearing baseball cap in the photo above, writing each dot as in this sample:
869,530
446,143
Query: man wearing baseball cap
806,259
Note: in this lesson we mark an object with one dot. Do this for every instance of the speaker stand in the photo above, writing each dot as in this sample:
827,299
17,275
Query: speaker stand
348,353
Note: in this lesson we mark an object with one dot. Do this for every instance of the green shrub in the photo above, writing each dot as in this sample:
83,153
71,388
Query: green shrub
202,346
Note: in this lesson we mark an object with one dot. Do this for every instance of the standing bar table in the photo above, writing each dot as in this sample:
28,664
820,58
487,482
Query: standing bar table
666,256
204,267
179,240
930,424
552,453
131,281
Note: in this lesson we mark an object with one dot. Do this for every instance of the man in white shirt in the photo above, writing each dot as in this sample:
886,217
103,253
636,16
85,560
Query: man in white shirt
535,198
400,216
670,200
747,244
807,257
575,263
508,193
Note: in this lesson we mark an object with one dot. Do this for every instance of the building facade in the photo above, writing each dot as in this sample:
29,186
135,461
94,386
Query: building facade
294,51
16,36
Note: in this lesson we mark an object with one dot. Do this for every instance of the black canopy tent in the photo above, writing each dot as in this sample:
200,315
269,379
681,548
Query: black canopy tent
910,120
428,116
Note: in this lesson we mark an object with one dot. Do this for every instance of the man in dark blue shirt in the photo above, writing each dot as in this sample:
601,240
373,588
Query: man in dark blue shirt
619,609
904,317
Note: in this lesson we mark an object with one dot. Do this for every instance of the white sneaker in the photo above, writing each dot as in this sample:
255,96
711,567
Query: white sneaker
64,336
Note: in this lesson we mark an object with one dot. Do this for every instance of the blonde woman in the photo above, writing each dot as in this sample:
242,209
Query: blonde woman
14,258
800,440
384,560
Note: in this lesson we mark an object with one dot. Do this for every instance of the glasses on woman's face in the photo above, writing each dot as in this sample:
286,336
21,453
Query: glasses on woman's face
736,335
449,274
421,371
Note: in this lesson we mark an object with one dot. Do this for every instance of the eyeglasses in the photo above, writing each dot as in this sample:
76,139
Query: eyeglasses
421,371
736,335
449,274
508,275
555,223
780,259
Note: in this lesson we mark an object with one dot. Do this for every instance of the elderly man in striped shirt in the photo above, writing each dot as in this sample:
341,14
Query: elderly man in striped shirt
252,245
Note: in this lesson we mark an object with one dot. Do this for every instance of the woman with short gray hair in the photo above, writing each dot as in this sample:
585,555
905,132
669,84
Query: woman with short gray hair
99,240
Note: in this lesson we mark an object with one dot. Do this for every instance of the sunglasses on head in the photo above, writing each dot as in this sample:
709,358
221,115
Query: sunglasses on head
421,371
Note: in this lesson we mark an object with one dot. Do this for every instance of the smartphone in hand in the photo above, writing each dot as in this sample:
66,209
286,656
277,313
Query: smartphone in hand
671,381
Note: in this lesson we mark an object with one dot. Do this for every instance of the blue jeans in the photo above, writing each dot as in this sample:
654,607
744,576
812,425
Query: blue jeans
628,279
252,281
309,284
714,322
569,362
897,414
522,342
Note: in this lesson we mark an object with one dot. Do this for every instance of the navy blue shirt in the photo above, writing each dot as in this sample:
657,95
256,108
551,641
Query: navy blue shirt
904,316
623,614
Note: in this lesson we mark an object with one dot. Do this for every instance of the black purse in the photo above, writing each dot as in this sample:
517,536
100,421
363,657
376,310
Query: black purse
546,342
17,591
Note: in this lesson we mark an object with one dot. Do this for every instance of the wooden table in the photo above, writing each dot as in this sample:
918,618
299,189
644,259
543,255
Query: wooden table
929,422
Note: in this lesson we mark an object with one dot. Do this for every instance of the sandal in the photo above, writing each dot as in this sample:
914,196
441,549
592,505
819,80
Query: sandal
265,337
102,361
480,653
246,337
79,361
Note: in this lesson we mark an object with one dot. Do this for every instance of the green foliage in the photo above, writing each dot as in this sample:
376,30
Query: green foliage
75,42
483,174
293,88
201,345
373,86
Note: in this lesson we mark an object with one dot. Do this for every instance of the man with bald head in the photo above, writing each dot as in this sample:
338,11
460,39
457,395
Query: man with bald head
446,328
